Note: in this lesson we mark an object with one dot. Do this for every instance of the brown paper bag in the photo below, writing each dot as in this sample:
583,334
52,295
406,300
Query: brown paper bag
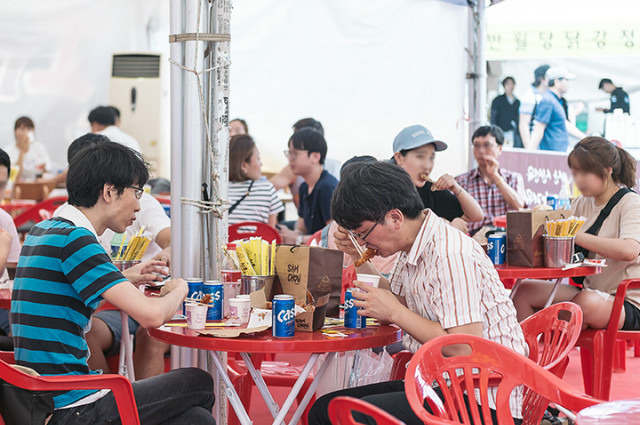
313,275
525,245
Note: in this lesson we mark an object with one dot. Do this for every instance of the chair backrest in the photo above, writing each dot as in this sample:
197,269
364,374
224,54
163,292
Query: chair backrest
341,411
485,361
33,213
248,229
119,386
551,334
316,237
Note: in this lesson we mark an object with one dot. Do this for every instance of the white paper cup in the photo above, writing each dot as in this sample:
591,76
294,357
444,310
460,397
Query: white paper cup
369,279
240,308
196,315
231,290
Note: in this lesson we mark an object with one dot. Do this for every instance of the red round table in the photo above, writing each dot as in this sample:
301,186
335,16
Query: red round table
314,343
5,298
500,221
619,412
547,273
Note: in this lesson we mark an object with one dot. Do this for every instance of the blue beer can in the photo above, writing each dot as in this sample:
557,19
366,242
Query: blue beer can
497,247
216,306
195,291
351,318
283,316
552,201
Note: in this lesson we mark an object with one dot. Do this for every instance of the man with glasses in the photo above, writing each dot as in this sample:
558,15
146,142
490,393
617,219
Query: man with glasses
495,189
306,154
63,275
443,282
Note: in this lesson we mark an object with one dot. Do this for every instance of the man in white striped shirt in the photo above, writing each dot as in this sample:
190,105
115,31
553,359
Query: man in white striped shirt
443,282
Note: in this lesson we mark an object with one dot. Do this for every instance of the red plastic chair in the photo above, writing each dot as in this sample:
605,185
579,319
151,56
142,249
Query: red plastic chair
34,214
341,412
119,386
598,347
317,237
248,229
487,359
399,367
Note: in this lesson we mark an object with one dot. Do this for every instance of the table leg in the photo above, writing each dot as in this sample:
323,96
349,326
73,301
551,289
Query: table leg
553,292
175,357
312,389
313,358
514,288
230,392
261,385
126,349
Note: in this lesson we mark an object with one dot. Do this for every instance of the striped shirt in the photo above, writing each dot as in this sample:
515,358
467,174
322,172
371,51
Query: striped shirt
261,202
488,196
61,275
448,278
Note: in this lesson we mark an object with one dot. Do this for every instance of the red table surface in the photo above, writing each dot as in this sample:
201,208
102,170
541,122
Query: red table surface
16,205
614,412
500,221
5,298
518,272
264,342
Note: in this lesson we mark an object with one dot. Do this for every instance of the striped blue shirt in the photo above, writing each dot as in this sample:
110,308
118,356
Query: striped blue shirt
61,275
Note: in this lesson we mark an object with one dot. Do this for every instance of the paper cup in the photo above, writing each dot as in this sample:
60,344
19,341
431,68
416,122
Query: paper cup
240,308
231,290
369,279
196,315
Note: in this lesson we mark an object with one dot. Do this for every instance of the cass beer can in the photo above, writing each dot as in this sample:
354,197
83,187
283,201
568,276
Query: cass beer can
284,316
552,201
195,291
351,318
497,247
216,289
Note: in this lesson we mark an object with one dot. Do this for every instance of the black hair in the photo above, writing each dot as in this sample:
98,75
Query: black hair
355,162
311,140
24,122
603,82
370,191
243,122
103,115
493,130
507,79
6,161
115,110
539,74
84,141
308,122
103,163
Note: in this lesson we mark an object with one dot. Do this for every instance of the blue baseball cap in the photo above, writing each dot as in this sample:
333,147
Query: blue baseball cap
415,136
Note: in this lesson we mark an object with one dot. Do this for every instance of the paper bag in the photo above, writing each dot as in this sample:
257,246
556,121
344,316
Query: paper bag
313,275
525,245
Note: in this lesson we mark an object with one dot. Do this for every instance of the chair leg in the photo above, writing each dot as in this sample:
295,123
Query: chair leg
586,360
619,356
636,348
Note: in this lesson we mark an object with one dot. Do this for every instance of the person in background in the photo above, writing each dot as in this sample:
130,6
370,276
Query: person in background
415,151
619,98
9,240
306,154
551,127
251,198
600,170
497,190
116,112
529,103
443,282
103,121
286,177
28,156
64,274
238,126
505,112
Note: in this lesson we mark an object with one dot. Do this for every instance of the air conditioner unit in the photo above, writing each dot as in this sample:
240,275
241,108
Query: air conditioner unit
135,89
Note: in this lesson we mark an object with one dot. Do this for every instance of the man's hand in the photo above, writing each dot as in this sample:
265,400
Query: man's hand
460,224
344,244
175,285
601,109
378,303
147,272
491,166
446,182
288,236
164,256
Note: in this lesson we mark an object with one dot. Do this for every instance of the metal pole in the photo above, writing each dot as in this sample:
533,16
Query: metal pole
478,75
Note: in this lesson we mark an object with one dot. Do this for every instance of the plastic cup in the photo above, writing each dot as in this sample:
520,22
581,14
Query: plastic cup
231,290
196,315
369,279
240,308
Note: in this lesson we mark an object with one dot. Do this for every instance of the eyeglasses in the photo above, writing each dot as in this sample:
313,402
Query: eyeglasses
484,145
364,237
293,153
139,191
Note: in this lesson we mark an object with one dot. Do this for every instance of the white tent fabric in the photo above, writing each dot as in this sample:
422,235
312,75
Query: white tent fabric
365,68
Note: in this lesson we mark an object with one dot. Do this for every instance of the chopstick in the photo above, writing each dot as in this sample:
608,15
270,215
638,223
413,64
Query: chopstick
356,244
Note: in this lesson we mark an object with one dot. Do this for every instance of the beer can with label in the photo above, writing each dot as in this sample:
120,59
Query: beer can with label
497,247
552,201
195,291
284,316
351,318
216,304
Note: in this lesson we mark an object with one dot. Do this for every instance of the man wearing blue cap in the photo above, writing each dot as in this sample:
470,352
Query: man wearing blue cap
415,151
